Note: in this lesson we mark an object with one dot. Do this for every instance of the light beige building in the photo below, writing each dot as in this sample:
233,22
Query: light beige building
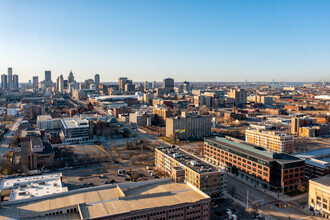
155,199
319,195
189,127
239,95
272,141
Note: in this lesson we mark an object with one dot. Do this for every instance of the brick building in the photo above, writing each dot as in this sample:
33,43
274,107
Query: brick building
272,141
183,167
269,170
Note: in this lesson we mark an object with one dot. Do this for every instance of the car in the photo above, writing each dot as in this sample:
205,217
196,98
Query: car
103,176
278,205
115,161
109,182
90,184
83,185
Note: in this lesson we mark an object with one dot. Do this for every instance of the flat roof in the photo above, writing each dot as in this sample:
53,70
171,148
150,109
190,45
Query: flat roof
9,183
187,160
245,148
107,200
323,180
44,117
249,149
74,123
118,97
313,153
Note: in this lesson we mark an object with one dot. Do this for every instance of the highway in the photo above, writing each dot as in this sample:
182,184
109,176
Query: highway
5,142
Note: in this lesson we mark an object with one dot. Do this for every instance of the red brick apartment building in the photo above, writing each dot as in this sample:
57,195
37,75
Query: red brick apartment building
266,169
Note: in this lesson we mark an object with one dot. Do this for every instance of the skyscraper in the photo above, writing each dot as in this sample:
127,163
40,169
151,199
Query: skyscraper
97,81
61,84
70,78
15,81
35,82
48,76
121,83
146,85
168,84
154,84
4,81
10,78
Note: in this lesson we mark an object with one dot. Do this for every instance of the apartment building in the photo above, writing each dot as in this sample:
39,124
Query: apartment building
319,195
273,171
46,122
146,200
161,115
270,140
191,127
297,123
183,167
239,95
35,154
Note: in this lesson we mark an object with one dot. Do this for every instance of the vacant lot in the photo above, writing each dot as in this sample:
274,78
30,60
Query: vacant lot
74,155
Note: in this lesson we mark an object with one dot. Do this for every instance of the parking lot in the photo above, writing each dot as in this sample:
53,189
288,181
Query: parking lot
97,174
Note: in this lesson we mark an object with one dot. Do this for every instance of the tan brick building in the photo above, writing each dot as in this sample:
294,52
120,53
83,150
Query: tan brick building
272,141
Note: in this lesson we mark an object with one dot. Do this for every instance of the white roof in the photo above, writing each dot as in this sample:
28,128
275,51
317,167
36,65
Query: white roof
33,186
44,117
75,123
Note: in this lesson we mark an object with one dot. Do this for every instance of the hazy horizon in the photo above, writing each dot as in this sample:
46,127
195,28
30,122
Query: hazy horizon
223,41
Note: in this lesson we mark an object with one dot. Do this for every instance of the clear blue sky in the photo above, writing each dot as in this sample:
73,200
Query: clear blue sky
254,40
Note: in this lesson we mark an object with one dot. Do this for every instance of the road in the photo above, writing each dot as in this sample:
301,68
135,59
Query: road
5,143
267,202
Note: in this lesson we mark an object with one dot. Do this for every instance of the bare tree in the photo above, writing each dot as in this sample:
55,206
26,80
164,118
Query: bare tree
255,209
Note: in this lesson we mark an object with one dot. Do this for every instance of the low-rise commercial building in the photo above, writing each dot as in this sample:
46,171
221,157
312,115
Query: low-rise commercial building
271,140
317,162
274,171
75,130
183,167
319,195
31,186
156,199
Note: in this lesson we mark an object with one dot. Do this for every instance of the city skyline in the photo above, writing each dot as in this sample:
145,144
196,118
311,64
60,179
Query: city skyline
213,41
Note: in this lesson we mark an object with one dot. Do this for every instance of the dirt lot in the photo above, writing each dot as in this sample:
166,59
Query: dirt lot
74,155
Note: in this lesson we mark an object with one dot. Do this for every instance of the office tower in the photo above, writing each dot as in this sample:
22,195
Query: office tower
154,84
60,84
121,83
129,87
15,81
125,85
10,78
48,76
70,78
97,81
168,84
4,81
146,85
65,84
35,82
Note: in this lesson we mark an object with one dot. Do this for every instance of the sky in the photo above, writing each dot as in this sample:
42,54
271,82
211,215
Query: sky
254,40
